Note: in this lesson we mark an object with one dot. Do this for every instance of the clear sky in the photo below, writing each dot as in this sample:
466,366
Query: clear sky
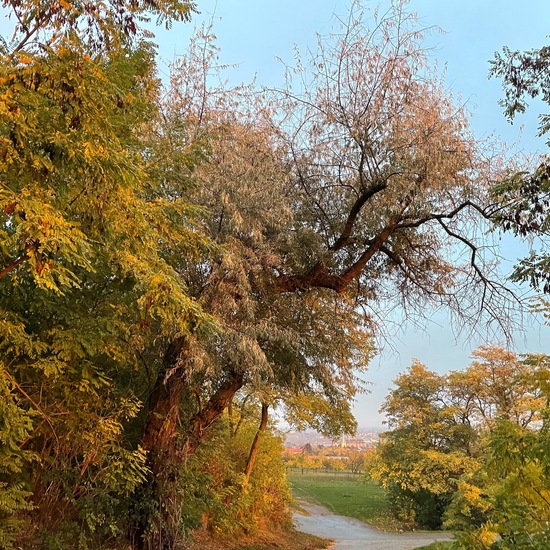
253,34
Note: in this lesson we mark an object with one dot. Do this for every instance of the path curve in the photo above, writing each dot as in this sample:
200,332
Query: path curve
352,534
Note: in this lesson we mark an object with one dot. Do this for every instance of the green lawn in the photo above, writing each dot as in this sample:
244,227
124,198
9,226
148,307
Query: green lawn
345,495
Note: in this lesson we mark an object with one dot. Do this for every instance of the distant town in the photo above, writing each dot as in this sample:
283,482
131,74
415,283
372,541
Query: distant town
365,438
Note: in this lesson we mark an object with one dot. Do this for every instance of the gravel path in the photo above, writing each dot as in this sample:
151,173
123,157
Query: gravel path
352,534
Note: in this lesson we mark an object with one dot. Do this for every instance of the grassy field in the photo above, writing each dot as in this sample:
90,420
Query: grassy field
346,495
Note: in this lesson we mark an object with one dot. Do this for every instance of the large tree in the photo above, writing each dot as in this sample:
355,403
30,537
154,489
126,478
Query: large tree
356,189
84,287
364,183
275,344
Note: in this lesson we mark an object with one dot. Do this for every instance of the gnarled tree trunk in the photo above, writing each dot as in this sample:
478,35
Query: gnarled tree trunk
164,403
169,443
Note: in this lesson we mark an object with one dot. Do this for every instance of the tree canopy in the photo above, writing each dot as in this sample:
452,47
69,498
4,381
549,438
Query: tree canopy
443,458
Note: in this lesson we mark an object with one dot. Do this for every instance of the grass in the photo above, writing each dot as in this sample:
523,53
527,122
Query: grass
346,495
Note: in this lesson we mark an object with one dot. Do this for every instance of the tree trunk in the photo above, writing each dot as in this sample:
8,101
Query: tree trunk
203,420
164,403
255,444
169,444
160,434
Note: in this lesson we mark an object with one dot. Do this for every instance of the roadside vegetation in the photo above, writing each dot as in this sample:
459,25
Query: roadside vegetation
265,540
467,451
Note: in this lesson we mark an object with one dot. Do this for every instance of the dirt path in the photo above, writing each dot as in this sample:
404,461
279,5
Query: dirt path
352,534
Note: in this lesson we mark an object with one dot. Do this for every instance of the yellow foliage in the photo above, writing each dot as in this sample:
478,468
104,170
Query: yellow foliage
488,534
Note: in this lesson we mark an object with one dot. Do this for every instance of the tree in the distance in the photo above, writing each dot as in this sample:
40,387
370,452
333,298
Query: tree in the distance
426,451
444,427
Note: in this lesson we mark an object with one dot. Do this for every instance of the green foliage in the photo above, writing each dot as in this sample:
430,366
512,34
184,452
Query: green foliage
15,428
420,461
103,26
524,197
523,74
525,201
444,427
505,504
85,282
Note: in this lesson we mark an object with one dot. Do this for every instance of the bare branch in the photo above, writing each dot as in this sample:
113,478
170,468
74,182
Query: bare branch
488,215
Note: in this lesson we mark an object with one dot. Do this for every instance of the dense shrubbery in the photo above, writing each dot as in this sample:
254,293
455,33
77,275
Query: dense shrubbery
225,502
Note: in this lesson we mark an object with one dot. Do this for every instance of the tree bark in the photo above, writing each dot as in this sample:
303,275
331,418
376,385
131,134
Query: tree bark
203,420
255,444
163,415
13,265
168,445
160,431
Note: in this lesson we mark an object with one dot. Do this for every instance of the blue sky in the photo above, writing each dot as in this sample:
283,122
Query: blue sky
253,34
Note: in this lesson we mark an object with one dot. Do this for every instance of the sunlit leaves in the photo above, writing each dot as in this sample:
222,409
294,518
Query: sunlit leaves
87,280
101,25
447,438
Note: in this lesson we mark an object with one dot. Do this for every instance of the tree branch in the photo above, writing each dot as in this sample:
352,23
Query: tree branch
488,215
319,277
213,409
343,239
13,265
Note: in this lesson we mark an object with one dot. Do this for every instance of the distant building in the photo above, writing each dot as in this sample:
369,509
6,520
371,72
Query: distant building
358,443
364,439
355,443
